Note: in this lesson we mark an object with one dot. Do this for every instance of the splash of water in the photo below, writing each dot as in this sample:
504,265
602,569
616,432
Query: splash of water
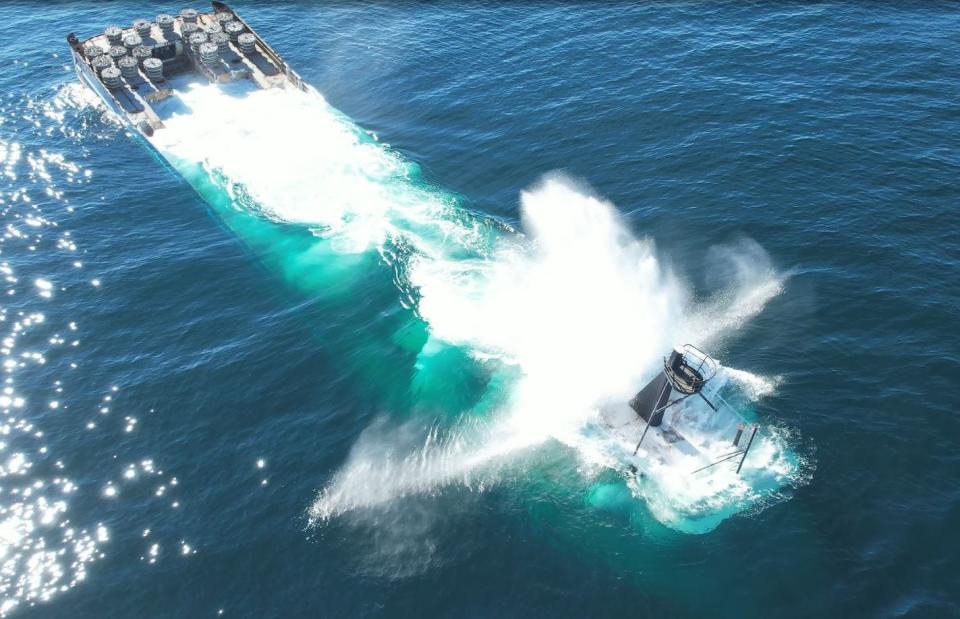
585,311
573,313
581,310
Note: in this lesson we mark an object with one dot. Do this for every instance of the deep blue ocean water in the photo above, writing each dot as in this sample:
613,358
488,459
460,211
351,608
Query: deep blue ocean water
185,377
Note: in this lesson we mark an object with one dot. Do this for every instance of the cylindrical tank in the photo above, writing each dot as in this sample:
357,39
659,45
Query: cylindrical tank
223,16
114,34
234,29
209,53
189,16
101,62
132,40
142,53
143,27
166,23
214,27
247,42
129,67
116,52
153,67
222,40
196,40
91,51
188,28
111,77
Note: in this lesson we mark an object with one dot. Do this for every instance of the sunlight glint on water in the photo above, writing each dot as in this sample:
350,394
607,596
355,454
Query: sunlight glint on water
46,549
42,551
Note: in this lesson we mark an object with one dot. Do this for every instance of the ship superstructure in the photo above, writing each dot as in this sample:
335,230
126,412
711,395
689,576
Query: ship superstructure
680,421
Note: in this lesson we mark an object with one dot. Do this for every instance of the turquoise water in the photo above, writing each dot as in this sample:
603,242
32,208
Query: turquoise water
353,377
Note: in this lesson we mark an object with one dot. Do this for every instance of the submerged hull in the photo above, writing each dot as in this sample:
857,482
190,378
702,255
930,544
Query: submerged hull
704,461
690,436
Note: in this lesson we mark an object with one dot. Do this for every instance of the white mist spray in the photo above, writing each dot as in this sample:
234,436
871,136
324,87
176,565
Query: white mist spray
583,310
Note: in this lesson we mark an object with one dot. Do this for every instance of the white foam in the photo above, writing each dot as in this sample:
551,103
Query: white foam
303,162
583,308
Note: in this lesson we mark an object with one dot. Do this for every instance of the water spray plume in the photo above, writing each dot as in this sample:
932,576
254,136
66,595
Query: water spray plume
574,312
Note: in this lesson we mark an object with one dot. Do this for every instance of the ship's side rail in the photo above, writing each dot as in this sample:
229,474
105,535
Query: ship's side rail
268,51
126,103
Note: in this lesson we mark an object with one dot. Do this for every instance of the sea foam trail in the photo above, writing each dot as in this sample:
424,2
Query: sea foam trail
576,311
302,161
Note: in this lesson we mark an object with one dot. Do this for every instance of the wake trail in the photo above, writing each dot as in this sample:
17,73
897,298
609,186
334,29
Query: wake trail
572,312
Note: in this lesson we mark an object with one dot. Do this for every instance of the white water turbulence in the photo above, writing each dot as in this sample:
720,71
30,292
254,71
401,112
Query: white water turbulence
586,311
572,314
299,160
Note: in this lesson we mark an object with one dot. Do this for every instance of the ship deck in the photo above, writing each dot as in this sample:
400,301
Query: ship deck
147,103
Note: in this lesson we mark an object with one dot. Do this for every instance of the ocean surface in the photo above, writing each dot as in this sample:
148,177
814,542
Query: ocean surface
343,362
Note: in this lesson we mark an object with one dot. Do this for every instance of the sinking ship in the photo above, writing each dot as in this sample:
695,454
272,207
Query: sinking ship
140,71
679,421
